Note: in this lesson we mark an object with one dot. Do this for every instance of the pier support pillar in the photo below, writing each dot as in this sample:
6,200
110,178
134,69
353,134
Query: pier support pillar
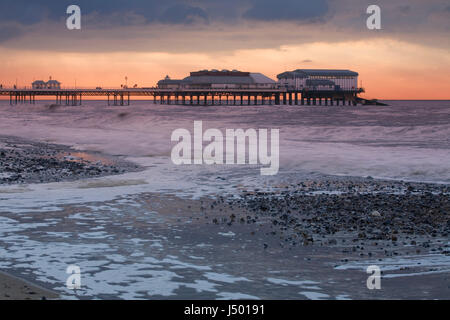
277,99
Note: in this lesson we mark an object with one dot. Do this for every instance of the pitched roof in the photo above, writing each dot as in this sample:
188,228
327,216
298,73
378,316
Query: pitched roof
250,78
218,80
205,77
261,79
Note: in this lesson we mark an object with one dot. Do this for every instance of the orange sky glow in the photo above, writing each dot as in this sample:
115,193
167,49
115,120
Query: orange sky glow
389,69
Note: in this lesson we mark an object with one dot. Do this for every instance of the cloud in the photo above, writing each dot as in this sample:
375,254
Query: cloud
183,14
215,25
10,31
287,10
168,11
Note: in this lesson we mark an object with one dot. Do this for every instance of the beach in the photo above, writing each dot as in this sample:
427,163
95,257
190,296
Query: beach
13,288
94,186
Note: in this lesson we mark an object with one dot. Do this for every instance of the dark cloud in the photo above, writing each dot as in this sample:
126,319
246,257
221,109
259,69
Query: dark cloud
287,10
184,14
168,11
405,9
231,24
10,31
30,12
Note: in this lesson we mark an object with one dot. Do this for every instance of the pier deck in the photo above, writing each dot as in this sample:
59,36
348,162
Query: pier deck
200,96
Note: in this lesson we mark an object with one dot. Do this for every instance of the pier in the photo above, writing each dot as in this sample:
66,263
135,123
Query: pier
197,96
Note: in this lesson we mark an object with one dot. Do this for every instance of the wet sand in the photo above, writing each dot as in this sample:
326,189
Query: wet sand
13,288
229,243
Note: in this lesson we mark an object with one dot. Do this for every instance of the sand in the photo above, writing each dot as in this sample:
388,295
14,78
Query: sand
13,288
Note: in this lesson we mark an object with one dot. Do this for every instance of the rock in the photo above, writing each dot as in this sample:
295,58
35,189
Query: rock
332,241
375,213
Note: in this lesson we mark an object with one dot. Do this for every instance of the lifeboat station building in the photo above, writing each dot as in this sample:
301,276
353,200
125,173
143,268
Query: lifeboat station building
315,86
318,79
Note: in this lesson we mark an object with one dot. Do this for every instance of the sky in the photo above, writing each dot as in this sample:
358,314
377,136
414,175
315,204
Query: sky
145,40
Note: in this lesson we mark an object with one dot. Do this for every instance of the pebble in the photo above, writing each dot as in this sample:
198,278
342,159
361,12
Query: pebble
32,162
